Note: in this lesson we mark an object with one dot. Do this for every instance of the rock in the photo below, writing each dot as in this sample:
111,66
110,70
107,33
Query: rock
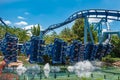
116,64
98,63
9,76
2,65
15,64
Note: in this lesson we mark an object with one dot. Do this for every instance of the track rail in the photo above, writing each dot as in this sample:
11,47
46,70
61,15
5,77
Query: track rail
91,13
3,22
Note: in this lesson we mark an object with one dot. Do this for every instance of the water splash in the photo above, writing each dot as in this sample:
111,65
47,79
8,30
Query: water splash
70,68
46,70
33,69
82,69
55,69
21,70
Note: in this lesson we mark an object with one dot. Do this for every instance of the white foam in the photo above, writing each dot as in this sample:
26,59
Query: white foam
46,70
82,68
70,68
55,69
21,70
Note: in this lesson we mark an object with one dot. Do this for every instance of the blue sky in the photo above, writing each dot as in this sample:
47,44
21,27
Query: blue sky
22,13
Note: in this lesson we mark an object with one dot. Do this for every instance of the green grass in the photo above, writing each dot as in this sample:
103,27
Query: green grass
110,59
73,77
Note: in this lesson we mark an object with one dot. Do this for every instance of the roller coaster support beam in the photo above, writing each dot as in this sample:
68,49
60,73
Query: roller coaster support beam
85,30
98,27
108,29
87,27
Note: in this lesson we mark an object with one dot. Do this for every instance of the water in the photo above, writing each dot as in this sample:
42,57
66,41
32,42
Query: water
55,69
20,70
82,68
46,70
75,72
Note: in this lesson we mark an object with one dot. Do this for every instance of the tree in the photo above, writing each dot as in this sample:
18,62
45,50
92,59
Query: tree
78,29
116,42
23,35
50,38
2,31
20,33
67,35
35,30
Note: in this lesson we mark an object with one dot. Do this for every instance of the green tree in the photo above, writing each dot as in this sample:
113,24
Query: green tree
78,29
23,35
50,38
67,35
35,30
20,33
116,42
2,31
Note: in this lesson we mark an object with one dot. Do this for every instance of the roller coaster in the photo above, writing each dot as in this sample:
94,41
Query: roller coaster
60,51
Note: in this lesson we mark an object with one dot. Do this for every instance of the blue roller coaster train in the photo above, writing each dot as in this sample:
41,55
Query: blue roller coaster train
60,50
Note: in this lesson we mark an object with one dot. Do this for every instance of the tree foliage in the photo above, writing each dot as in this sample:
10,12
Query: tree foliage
78,29
20,33
35,30
116,42
67,35
50,38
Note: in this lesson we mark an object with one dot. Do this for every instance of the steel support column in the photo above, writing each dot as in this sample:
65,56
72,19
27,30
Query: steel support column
91,36
85,30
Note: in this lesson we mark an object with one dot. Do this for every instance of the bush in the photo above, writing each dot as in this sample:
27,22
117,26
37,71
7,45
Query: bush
0,53
110,59
84,78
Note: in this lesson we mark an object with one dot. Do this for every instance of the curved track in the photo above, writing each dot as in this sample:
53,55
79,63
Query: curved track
92,13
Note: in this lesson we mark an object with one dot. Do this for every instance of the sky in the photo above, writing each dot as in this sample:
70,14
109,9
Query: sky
25,13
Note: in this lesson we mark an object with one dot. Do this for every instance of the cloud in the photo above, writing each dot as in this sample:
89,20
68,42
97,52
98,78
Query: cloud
29,33
26,13
28,27
7,22
21,23
96,20
20,17
104,30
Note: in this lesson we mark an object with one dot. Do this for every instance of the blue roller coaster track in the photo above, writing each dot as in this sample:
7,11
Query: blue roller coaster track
2,22
102,14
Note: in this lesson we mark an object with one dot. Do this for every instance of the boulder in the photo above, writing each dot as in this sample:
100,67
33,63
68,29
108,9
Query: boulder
15,64
117,64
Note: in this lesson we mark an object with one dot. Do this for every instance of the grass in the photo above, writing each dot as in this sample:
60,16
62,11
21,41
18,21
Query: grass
110,59
65,78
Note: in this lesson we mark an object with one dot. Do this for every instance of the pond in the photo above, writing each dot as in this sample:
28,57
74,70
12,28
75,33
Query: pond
106,73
